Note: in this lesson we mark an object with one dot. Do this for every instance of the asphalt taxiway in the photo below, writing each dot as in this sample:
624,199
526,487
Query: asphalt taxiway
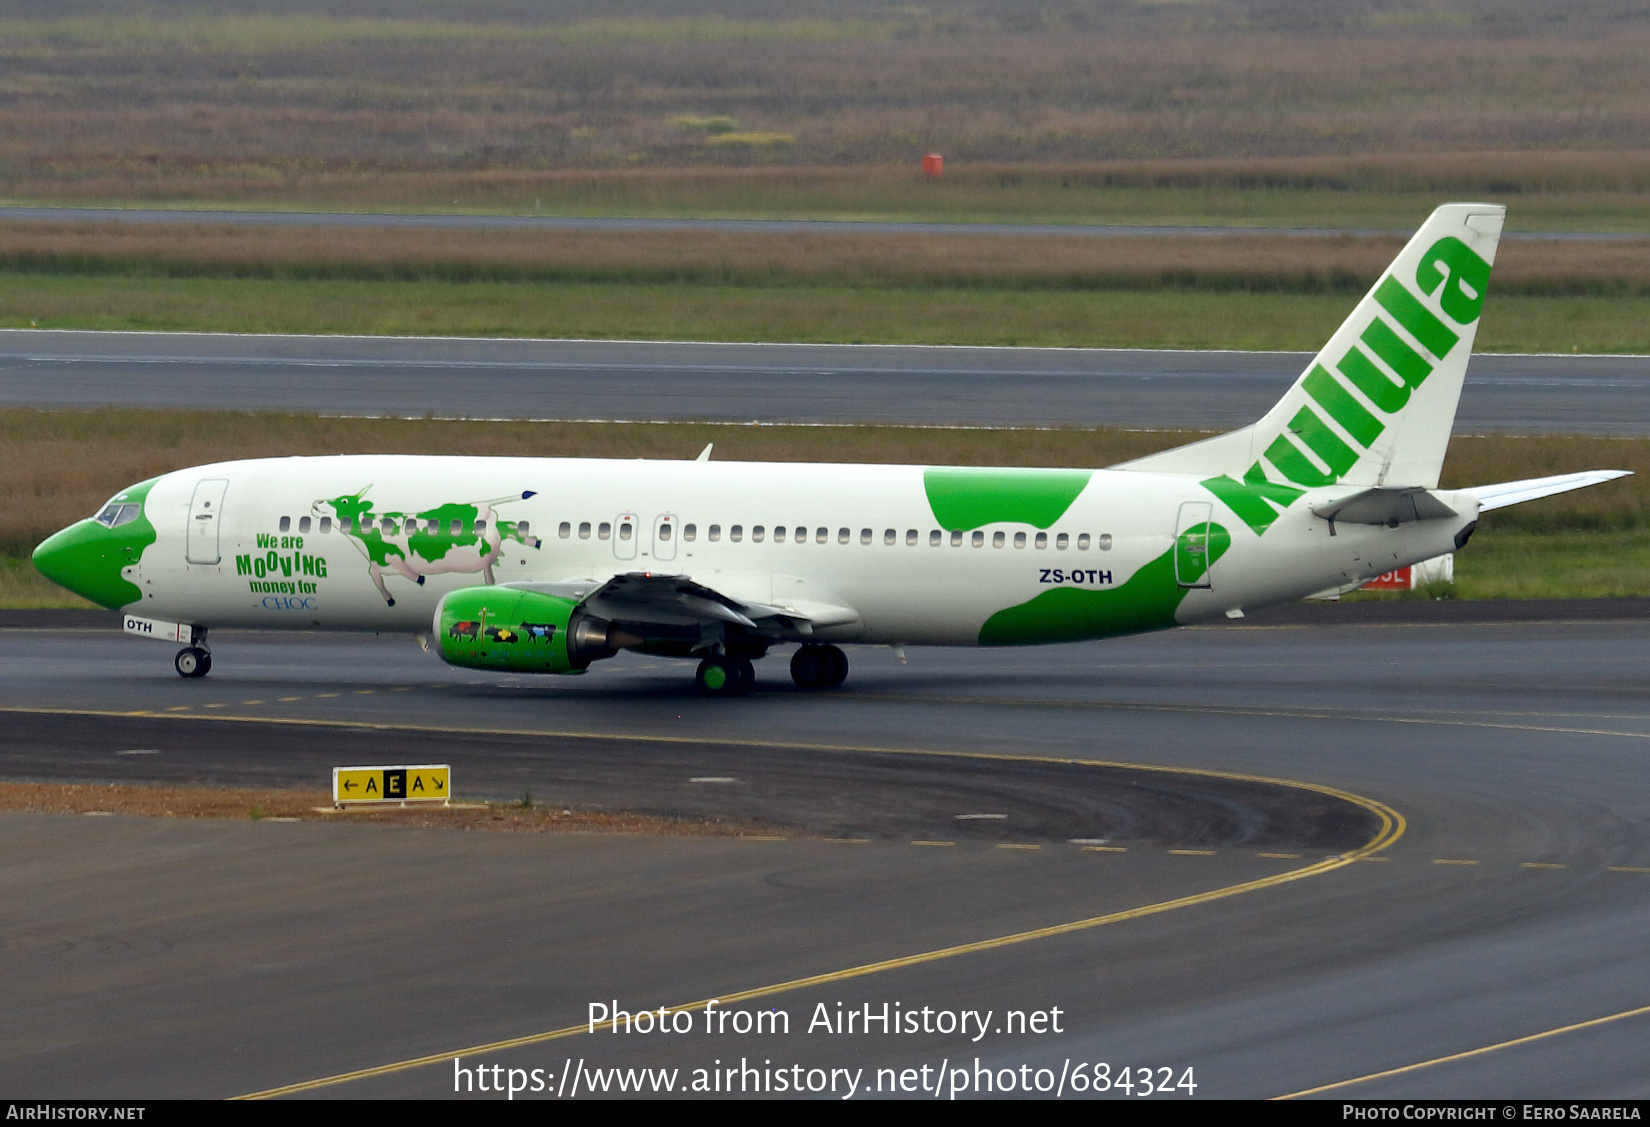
742,383
1340,850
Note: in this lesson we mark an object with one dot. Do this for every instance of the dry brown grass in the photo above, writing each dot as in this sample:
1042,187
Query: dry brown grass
1251,262
96,89
1061,186
310,806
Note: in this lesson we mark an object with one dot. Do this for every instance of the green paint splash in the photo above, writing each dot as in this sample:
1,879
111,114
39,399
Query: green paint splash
966,498
1146,602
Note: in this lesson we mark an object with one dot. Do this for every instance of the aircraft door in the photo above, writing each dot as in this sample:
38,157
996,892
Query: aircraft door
205,519
624,536
1192,566
664,536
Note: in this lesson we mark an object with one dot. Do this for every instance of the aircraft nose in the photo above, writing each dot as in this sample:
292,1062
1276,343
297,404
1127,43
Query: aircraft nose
88,560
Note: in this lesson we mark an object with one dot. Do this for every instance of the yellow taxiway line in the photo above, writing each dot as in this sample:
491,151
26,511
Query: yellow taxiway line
1392,826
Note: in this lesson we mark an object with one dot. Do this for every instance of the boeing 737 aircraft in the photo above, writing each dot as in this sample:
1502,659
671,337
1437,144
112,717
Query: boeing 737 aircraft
547,565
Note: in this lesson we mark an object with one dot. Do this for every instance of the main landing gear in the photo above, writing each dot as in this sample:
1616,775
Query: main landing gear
723,676
819,667
812,667
193,661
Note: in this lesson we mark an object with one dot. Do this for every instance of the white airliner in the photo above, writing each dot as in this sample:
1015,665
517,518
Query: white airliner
547,565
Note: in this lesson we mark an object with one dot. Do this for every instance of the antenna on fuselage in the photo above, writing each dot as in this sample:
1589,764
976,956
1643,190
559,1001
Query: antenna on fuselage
704,455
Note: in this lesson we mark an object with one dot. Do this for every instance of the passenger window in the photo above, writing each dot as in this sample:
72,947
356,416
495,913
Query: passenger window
843,536
625,530
690,532
1042,540
455,528
303,524
910,538
584,530
565,531
998,539
802,536
1062,541
522,528
366,525
979,540
778,534
934,539
865,536
1105,542
715,533
736,533
664,531
286,524
1083,542
821,535
388,526
604,531
345,523
326,525
889,536
1019,540
757,532
481,528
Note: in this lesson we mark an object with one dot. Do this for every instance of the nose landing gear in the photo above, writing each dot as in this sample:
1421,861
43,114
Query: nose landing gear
193,661
819,667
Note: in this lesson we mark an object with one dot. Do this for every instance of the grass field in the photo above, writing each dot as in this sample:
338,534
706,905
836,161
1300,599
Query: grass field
1248,291
59,466
1115,319
1546,190
104,91
1261,263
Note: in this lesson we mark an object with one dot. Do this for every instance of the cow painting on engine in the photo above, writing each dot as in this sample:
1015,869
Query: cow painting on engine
464,537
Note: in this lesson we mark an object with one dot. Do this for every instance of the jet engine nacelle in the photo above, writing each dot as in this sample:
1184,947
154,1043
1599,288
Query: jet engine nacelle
514,631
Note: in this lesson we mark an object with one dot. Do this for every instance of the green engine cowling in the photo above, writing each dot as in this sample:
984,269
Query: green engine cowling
512,631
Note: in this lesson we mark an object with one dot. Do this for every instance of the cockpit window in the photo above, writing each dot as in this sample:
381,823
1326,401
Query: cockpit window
113,516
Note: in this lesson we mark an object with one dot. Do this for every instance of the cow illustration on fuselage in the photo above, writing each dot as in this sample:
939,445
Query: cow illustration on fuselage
464,537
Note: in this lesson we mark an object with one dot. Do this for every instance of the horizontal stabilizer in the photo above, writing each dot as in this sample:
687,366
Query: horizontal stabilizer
1516,492
1390,507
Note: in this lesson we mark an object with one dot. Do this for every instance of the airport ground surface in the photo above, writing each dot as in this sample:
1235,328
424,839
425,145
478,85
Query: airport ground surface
476,221
187,958
462,221
922,385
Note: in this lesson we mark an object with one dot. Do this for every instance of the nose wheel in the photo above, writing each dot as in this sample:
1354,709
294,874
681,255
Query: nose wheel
819,667
192,661
725,676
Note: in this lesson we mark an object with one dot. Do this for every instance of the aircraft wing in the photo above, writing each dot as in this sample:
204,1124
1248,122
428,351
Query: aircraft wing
1515,492
641,600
